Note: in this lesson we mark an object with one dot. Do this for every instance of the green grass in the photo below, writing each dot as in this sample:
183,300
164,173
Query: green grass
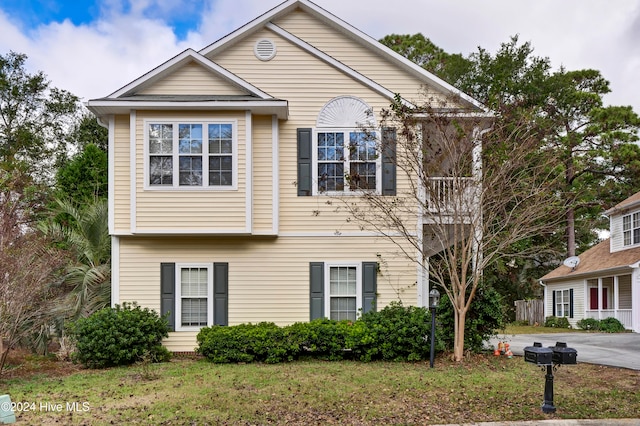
529,329
187,391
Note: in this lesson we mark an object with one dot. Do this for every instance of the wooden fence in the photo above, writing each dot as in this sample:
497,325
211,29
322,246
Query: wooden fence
530,310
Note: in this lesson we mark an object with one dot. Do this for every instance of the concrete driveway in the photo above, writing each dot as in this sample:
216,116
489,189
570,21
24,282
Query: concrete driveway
613,349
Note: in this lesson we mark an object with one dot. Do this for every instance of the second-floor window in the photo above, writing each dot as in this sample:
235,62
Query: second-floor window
346,161
631,229
191,154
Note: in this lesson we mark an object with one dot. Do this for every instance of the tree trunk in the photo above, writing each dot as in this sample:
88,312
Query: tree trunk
458,338
571,232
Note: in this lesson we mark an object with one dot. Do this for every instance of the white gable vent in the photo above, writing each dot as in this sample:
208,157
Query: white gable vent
265,49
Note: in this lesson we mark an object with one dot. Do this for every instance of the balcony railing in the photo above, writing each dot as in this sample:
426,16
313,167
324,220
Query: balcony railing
451,195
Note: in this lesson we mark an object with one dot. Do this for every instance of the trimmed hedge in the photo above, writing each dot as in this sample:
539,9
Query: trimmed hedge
119,336
395,333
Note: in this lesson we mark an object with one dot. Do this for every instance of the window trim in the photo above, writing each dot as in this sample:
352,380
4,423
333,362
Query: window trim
178,295
315,161
175,155
327,285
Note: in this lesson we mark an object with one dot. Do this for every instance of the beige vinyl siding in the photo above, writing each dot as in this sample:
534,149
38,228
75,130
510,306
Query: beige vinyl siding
268,278
263,196
356,56
192,79
122,175
308,84
189,209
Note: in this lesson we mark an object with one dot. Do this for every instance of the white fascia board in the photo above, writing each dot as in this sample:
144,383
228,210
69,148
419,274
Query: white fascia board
177,61
249,27
335,63
107,106
384,50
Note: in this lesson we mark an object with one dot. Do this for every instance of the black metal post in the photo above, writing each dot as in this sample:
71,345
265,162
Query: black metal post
433,336
547,406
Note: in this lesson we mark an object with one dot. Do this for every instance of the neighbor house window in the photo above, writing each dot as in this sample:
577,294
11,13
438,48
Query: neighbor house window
346,161
562,303
200,154
631,229
194,290
343,287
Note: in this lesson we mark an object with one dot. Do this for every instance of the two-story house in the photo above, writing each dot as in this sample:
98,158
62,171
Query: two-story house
221,162
604,281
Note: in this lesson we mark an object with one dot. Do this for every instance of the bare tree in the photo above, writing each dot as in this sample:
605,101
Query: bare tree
473,185
28,267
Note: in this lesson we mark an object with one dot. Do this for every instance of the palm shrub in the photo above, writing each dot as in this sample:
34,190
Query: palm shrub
120,335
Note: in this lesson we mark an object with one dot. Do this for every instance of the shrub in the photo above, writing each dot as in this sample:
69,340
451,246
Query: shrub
265,342
589,324
486,315
557,322
396,333
321,338
119,336
611,325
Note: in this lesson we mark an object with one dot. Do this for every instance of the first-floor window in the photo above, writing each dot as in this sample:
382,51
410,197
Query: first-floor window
193,293
343,290
562,303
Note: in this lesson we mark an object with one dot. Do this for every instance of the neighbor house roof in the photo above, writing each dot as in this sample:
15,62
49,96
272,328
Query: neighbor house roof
598,259
629,203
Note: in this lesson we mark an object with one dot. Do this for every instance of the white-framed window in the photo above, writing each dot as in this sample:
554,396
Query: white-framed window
346,160
191,154
631,229
562,303
343,287
194,292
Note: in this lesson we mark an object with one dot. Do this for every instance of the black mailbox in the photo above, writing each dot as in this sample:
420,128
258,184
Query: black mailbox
538,355
563,355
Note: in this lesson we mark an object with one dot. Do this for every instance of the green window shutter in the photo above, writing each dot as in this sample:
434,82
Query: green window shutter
168,292
304,162
316,283
221,293
570,303
369,286
389,140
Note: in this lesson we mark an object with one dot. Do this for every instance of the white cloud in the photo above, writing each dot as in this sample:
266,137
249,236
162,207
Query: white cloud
97,59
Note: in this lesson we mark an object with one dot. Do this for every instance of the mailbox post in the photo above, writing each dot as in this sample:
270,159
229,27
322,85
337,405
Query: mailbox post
547,357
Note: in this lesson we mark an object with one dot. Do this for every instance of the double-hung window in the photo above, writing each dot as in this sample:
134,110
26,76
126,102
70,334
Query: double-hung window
562,301
343,289
631,229
347,160
192,154
194,291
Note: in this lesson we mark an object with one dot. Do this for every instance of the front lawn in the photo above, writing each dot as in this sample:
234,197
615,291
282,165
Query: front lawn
193,391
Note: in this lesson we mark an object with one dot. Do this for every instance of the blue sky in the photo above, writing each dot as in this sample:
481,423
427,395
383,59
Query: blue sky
31,14
93,47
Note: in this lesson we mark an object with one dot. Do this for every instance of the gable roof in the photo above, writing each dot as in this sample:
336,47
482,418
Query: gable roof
628,204
125,98
267,19
597,260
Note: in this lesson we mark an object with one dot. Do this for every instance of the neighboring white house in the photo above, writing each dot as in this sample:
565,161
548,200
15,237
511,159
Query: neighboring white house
606,280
